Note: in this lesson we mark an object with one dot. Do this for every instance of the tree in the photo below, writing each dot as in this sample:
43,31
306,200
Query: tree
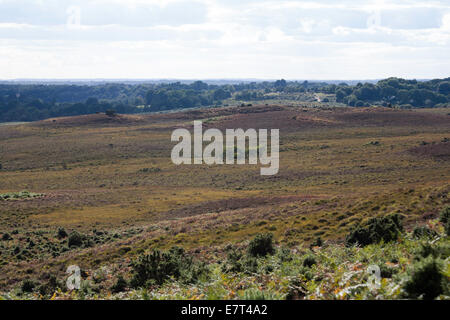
340,95
444,88
221,94
280,84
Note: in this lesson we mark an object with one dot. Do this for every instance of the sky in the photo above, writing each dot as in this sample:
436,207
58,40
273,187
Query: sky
224,39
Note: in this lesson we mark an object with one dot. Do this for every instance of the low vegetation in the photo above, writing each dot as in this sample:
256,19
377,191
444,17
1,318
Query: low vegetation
357,187
411,267
19,195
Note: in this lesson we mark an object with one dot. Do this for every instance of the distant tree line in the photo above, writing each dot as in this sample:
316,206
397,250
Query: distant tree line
29,102
394,92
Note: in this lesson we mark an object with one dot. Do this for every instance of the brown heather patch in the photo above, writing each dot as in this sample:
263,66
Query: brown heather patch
437,151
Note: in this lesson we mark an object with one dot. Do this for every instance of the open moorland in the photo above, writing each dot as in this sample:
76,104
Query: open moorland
100,191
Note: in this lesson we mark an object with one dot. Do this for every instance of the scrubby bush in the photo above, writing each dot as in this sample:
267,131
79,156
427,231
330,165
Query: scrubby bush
424,231
75,239
61,234
157,267
120,285
261,245
49,287
317,243
238,262
309,261
233,262
386,271
445,219
426,280
385,229
27,286
284,255
441,250
444,215
249,264
6,237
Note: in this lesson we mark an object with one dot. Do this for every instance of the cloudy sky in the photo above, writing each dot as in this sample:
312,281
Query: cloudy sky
211,39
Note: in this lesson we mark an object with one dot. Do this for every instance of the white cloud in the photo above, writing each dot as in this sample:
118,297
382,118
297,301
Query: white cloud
224,38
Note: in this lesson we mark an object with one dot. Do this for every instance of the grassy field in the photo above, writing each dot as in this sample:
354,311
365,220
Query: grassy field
111,180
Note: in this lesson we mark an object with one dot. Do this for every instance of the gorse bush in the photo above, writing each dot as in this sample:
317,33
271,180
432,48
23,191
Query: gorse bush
50,286
424,231
6,237
157,267
426,280
237,262
261,245
441,251
75,239
317,243
309,261
233,262
120,284
444,215
27,286
445,219
284,255
61,234
385,229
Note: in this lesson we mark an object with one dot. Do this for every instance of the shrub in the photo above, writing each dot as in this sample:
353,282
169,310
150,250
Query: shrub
233,262
61,234
75,239
445,219
317,243
387,272
120,285
426,280
309,261
261,245
27,285
385,229
285,255
50,287
238,262
249,264
157,267
444,215
441,250
6,237
424,231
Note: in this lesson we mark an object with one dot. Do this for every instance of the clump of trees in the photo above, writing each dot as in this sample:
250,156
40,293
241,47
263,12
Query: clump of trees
395,91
